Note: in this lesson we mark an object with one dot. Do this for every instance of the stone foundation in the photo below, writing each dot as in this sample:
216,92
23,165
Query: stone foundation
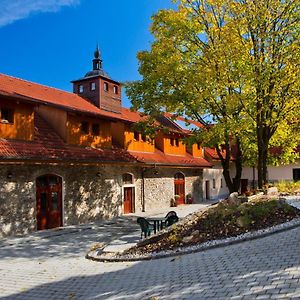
90,193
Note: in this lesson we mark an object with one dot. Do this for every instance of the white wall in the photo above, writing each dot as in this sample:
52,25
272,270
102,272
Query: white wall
216,173
283,172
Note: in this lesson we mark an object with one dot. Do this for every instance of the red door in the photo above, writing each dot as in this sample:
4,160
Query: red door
128,200
179,187
49,202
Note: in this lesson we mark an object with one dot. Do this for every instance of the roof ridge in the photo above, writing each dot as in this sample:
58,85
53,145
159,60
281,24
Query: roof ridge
40,84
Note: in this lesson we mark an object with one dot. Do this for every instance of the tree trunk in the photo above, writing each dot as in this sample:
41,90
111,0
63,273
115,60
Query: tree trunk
238,165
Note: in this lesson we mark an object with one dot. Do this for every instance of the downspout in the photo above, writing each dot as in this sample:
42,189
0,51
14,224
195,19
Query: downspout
143,189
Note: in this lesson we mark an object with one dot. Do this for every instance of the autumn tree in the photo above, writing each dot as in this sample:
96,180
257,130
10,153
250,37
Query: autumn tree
269,31
233,61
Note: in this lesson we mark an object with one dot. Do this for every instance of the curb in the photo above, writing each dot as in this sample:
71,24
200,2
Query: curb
92,255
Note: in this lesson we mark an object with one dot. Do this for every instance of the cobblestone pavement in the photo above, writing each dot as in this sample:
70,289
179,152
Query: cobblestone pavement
54,267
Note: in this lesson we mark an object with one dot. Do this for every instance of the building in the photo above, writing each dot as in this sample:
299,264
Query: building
70,158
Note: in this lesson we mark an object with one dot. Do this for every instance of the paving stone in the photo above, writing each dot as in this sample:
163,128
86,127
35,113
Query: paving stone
54,267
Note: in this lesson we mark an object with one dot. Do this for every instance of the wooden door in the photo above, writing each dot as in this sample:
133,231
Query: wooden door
49,202
207,189
128,200
244,186
179,188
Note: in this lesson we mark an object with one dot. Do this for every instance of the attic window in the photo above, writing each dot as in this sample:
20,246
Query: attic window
7,115
116,90
93,86
95,129
80,89
136,136
84,127
105,86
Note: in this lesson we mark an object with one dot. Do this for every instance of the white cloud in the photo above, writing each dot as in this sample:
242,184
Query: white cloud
13,10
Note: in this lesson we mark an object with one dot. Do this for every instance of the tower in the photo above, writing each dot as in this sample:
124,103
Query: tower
98,88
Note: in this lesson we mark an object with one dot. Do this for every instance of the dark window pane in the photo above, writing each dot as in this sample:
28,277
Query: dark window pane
136,136
53,180
54,201
177,143
84,127
172,141
7,115
42,181
144,138
179,176
127,178
95,129
43,202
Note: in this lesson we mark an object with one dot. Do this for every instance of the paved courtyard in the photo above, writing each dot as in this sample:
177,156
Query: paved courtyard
52,266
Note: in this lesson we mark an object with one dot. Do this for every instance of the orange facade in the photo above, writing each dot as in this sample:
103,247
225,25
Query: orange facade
170,144
124,136
196,150
88,132
16,121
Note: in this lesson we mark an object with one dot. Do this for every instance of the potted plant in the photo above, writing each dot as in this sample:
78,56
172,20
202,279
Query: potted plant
189,199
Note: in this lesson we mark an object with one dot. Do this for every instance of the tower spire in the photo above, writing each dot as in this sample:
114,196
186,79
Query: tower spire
97,61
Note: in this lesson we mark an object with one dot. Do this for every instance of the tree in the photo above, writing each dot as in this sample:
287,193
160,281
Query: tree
234,61
269,30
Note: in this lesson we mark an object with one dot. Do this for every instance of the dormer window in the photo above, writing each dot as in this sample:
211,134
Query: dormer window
93,86
7,115
84,127
136,136
116,90
96,129
80,89
105,86
144,137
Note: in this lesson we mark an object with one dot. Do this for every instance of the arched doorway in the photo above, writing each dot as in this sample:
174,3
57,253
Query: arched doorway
179,188
49,201
128,193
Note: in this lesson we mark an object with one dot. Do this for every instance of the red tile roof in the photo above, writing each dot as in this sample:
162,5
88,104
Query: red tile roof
159,158
48,146
19,88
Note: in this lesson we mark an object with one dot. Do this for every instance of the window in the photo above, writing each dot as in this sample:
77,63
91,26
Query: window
7,115
172,141
95,129
84,127
177,143
80,89
144,137
127,178
105,86
214,183
136,136
116,90
198,146
93,86
296,174
221,182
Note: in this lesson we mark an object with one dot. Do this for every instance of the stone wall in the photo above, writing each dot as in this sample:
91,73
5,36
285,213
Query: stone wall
90,193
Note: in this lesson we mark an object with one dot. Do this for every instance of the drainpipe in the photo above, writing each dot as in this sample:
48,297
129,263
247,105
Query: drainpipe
253,184
143,189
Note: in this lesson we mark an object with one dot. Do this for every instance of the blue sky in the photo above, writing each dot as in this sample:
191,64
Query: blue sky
52,41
